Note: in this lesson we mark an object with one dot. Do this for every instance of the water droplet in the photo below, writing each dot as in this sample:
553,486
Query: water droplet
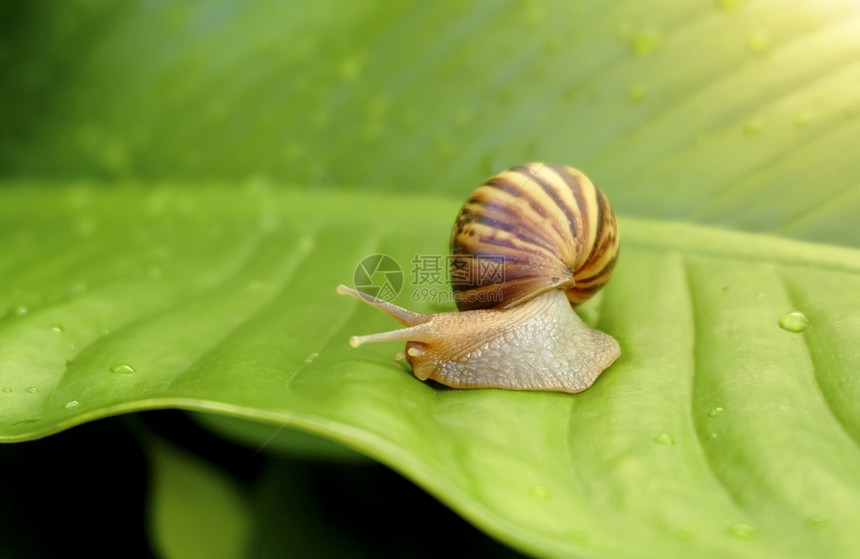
72,404
716,411
540,493
714,436
794,322
123,369
816,522
310,358
752,127
646,42
637,92
664,439
802,120
22,310
58,328
742,531
7,389
32,389
729,6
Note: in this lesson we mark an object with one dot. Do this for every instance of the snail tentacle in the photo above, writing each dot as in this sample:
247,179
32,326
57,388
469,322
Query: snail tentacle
403,316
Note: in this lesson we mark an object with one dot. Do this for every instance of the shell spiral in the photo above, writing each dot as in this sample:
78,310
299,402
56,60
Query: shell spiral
528,230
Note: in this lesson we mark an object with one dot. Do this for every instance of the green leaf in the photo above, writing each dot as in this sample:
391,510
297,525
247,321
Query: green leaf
704,110
136,274
222,299
195,510
280,440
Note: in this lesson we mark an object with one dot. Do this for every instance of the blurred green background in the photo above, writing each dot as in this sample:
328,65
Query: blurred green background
698,109
703,111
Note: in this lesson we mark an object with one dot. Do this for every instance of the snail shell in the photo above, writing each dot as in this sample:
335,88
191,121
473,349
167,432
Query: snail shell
544,226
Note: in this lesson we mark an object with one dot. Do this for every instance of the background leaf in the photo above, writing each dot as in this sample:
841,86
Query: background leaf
157,251
704,110
195,511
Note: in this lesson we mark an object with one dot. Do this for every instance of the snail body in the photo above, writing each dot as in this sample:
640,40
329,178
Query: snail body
539,345
527,246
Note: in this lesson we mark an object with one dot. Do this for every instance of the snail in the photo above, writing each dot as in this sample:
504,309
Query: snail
527,246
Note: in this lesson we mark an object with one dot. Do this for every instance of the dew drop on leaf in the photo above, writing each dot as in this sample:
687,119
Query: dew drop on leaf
794,322
22,310
123,369
32,390
664,439
310,358
715,412
58,328
71,404
7,389
742,531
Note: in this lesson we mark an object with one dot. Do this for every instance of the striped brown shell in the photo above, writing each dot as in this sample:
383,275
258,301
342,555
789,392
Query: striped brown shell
528,230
